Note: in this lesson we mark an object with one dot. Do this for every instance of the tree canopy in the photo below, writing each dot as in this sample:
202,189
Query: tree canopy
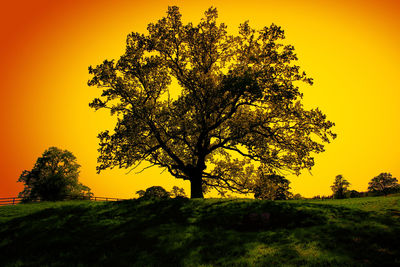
272,187
154,192
340,187
384,184
208,106
177,192
53,177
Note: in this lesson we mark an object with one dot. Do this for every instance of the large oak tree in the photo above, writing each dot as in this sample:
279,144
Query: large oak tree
208,106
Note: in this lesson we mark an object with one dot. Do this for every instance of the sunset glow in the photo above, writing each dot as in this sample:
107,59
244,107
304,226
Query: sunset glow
350,49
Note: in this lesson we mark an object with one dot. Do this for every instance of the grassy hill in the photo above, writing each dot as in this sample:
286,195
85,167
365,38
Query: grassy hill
210,232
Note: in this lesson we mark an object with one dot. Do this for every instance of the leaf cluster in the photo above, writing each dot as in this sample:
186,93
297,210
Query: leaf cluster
272,187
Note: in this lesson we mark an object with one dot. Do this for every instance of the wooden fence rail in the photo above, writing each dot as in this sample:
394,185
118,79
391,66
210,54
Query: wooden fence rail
16,200
10,200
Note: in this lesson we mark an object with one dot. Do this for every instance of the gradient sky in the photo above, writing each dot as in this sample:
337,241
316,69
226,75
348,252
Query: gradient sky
350,48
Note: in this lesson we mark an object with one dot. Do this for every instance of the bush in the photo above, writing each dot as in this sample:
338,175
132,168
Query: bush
353,194
155,192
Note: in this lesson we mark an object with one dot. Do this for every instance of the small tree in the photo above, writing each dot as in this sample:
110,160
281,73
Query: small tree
383,184
155,192
273,187
54,177
177,192
339,187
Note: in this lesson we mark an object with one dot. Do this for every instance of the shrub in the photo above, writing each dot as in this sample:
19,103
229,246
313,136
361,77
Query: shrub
155,192
353,194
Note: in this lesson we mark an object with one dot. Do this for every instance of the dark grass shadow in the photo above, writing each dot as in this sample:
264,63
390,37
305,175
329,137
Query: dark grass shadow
191,233
356,237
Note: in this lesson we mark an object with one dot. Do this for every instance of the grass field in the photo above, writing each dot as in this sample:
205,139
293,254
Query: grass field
210,232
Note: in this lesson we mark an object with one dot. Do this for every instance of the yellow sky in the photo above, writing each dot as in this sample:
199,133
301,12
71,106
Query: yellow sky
350,48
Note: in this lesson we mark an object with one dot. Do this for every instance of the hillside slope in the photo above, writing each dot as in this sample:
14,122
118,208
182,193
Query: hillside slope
210,232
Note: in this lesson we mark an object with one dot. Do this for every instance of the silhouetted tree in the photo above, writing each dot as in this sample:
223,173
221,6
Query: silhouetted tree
339,187
178,192
383,184
206,105
140,193
273,187
54,177
156,192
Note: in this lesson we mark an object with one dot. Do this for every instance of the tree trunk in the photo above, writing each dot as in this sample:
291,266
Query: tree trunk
196,190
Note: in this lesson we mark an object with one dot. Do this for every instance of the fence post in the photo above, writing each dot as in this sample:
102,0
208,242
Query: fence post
13,200
94,198
106,199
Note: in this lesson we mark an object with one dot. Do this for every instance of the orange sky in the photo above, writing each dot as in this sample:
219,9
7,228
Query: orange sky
350,48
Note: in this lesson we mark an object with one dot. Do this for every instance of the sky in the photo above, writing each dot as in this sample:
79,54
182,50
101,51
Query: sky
350,49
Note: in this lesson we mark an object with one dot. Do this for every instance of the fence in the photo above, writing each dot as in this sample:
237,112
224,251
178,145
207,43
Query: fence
10,201
16,200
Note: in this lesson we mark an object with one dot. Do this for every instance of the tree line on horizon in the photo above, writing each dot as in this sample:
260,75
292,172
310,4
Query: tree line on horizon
381,185
55,177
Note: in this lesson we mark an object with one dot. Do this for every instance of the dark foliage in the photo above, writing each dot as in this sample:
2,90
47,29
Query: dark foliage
353,194
140,193
155,192
322,197
177,192
54,177
272,187
384,184
340,187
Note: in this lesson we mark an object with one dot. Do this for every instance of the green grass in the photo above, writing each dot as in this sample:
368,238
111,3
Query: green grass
210,232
